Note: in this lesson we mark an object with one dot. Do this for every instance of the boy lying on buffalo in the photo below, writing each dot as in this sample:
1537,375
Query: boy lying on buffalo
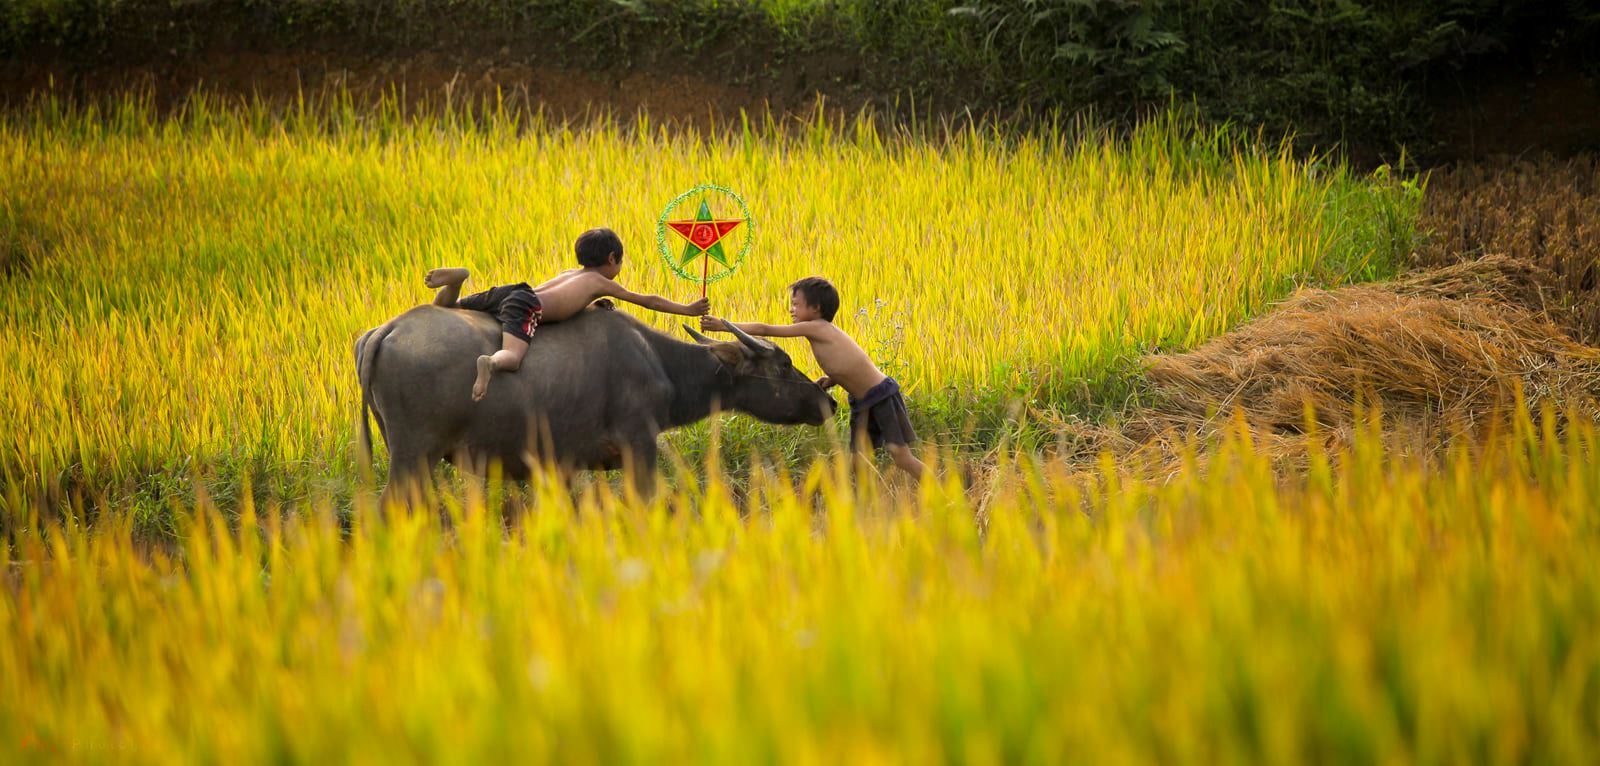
521,308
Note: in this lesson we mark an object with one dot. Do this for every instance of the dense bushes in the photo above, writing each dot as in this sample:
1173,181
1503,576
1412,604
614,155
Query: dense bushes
1357,71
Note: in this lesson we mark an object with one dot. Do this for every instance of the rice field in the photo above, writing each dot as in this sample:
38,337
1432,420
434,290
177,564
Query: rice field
1375,609
184,290
193,567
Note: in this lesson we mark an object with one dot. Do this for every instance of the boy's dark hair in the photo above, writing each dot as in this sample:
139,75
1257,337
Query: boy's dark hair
596,245
818,292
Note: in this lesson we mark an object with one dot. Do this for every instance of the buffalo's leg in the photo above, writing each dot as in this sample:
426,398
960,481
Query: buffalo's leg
639,466
475,466
409,472
448,282
405,489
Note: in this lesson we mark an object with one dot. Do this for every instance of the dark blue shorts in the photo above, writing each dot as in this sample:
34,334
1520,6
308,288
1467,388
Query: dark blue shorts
881,415
516,306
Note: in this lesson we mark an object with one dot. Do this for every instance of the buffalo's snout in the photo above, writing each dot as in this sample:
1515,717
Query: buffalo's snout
823,412
830,407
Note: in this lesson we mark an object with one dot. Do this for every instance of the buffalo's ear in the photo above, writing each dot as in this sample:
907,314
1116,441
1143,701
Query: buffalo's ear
731,354
698,338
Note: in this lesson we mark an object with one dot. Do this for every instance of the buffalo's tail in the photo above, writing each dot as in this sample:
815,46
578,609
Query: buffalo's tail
366,356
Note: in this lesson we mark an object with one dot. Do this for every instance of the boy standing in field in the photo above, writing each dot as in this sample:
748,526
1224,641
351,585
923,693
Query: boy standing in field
521,308
877,410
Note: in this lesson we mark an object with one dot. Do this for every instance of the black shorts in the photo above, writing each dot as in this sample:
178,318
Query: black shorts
516,306
882,415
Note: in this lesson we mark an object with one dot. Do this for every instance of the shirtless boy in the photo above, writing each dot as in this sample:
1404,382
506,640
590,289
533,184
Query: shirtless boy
877,410
521,308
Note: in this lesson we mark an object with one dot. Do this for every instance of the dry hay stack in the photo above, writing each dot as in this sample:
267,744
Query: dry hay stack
1437,353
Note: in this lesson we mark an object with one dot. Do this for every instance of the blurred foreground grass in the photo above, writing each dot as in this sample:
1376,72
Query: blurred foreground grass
1372,610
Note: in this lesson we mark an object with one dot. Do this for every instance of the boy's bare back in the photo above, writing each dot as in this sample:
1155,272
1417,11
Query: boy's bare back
571,291
841,358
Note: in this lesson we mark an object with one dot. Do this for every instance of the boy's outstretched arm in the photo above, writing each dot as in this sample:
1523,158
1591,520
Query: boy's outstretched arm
657,303
796,330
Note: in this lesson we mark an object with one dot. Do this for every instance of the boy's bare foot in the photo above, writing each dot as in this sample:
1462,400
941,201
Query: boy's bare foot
481,385
437,278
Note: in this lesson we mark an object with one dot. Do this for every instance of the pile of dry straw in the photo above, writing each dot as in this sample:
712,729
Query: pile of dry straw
1438,354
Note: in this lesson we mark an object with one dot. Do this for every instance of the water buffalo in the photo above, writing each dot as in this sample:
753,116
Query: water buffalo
593,392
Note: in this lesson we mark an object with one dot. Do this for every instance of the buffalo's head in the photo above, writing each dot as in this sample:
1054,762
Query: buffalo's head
765,383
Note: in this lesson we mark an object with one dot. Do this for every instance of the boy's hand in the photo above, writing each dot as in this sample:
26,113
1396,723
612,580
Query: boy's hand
826,382
712,324
700,307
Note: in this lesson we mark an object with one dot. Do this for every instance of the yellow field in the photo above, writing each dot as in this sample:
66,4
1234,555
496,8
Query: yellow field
182,296
185,292
1372,612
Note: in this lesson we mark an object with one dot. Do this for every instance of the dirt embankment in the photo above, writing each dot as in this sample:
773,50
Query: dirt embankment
750,67
433,78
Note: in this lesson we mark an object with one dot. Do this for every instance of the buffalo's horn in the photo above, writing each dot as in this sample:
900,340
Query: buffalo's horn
749,342
698,338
